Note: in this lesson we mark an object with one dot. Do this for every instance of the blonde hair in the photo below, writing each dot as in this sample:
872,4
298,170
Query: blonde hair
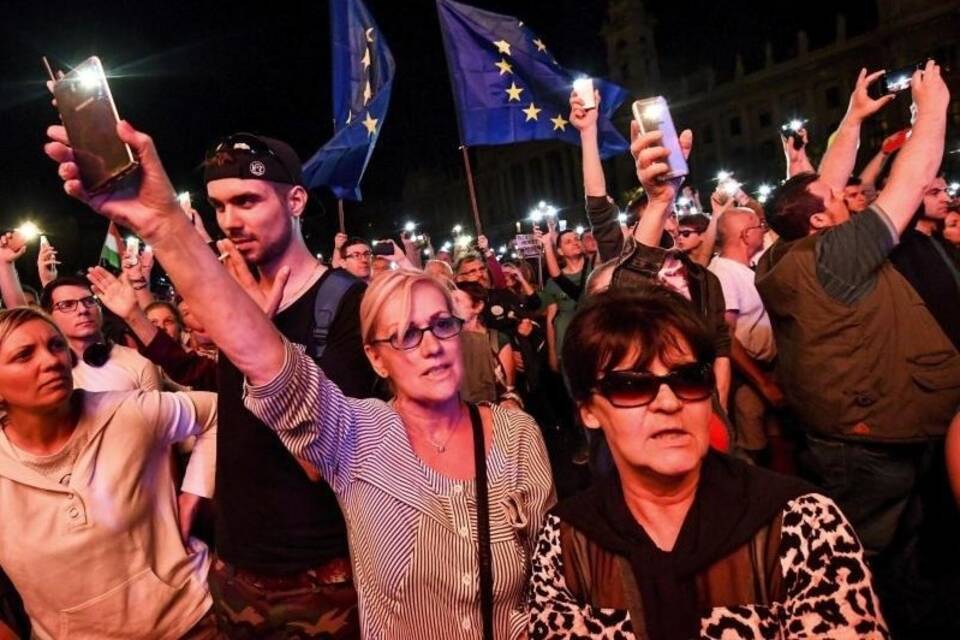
397,285
13,319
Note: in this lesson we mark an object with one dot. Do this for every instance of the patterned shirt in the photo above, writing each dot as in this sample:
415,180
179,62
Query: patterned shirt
413,532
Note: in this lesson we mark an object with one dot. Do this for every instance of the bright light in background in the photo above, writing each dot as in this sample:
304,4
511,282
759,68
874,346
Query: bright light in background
542,210
579,230
514,255
502,249
457,229
446,246
795,125
622,218
464,241
730,187
654,112
953,188
683,201
723,176
409,226
28,231
764,192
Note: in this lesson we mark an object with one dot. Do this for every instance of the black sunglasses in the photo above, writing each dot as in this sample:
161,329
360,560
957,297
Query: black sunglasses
686,233
628,389
442,328
249,144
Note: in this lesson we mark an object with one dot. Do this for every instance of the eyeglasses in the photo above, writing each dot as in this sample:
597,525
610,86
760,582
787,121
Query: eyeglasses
249,144
471,272
686,233
629,389
359,255
442,328
69,306
762,226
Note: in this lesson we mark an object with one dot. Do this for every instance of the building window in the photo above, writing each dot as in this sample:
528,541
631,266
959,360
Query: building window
736,127
765,119
832,96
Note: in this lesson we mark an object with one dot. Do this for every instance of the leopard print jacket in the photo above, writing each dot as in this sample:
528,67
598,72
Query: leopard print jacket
829,592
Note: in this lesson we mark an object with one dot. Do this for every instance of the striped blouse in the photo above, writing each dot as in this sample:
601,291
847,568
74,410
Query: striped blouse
413,531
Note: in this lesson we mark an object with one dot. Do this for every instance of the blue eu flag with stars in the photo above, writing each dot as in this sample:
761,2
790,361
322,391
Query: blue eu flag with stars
509,88
363,71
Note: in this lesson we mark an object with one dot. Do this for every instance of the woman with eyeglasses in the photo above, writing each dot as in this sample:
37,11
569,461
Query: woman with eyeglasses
90,533
681,541
405,472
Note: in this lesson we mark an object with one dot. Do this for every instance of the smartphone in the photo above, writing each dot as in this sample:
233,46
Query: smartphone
584,89
652,114
383,248
90,117
562,225
792,130
133,248
185,203
894,81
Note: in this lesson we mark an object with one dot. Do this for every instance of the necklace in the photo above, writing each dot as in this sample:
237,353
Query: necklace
306,284
442,446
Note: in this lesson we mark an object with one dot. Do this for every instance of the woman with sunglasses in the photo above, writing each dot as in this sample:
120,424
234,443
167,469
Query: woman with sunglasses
681,541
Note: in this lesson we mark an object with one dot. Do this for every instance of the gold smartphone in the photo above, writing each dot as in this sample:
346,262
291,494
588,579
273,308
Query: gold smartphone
90,116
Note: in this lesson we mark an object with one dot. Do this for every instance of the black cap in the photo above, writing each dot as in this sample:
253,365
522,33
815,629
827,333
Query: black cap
252,157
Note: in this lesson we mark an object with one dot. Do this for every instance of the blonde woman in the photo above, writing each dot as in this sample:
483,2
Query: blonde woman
90,535
404,472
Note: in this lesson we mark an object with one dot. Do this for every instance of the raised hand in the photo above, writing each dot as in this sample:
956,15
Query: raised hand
583,119
47,264
11,247
651,164
930,92
483,244
140,204
862,106
237,267
116,294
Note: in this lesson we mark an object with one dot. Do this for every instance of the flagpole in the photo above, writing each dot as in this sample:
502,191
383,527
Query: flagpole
343,226
472,190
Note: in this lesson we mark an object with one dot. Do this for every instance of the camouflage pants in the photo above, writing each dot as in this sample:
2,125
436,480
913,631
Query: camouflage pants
320,603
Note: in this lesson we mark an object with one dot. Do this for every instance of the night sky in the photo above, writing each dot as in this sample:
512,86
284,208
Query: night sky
188,73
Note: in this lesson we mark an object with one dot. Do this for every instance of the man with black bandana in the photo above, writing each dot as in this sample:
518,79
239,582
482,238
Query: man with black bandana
283,566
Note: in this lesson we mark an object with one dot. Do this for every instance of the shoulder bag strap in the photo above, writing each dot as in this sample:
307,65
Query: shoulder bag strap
483,523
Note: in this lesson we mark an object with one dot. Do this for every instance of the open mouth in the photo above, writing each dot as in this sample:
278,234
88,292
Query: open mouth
670,435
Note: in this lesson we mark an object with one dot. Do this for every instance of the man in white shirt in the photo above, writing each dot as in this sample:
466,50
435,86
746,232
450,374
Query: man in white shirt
740,236
99,367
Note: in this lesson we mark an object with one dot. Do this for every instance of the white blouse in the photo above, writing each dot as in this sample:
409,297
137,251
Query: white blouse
412,531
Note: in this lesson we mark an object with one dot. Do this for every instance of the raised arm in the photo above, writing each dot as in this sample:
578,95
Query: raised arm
231,317
841,156
917,163
650,160
891,144
797,160
585,121
11,248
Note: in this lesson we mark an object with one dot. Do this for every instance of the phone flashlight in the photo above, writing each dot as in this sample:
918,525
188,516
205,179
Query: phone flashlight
184,199
584,89
133,246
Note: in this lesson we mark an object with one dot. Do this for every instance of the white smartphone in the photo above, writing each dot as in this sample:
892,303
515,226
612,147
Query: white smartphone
584,89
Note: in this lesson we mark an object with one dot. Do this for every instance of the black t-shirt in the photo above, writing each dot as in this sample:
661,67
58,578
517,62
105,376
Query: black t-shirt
270,517
929,266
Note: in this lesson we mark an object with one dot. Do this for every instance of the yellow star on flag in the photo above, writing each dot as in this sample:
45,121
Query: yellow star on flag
540,45
502,46
367,93
370,123
531,112
559,123
366,58
504,66
514,92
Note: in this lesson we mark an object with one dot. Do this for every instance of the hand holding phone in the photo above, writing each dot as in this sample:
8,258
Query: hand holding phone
652,114
584,89
90,117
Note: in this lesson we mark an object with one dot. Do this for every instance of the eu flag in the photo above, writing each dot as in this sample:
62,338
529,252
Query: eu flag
509,88
363,71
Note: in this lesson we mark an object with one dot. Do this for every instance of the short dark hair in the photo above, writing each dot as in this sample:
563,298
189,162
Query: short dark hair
696,221
854,181
791,205
611,325
46,297
638,202
476,291
352,242
561,234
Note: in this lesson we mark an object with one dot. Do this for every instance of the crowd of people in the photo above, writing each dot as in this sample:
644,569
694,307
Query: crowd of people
741,423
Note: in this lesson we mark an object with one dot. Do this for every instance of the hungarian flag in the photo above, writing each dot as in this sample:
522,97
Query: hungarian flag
110,253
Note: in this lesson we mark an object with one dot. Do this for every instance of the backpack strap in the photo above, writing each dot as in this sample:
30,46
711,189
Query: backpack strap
325,307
